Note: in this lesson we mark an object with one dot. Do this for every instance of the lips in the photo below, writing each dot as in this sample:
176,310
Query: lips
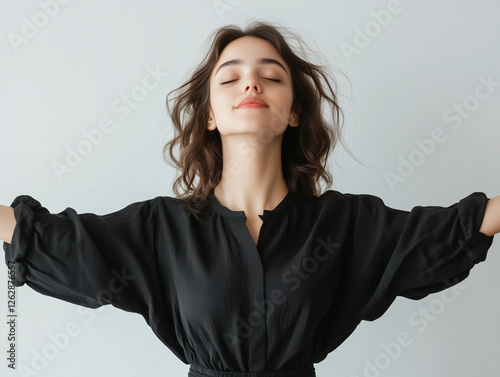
252,102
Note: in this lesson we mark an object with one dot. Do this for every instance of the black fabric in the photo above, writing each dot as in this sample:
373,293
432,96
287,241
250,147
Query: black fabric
321,266
199,371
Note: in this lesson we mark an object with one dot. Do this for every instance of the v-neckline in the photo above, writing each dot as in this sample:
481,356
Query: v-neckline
256,242
240,217
281,207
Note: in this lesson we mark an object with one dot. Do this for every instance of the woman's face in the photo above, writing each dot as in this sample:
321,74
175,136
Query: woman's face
258,72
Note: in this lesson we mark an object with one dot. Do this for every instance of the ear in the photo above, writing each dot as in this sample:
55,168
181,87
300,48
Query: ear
294,118
211,121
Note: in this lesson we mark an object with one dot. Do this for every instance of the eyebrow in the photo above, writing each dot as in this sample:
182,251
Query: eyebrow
259,61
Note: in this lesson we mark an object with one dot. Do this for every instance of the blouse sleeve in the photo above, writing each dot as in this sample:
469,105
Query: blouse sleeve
413,253
86,259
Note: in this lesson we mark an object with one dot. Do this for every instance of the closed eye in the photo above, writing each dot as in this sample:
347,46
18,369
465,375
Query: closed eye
227,82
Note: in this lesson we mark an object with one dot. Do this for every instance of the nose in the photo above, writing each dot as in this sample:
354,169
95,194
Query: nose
250,83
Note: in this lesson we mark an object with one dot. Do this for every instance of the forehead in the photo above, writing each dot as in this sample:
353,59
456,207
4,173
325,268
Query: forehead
249,45
249,49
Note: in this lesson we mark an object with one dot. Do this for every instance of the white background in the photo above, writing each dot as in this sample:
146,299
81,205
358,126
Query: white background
65,78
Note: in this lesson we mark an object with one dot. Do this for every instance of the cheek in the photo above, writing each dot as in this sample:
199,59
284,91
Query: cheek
217,100
220,104
284,95
218,95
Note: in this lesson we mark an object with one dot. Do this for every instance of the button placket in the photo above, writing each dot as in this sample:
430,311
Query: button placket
255,318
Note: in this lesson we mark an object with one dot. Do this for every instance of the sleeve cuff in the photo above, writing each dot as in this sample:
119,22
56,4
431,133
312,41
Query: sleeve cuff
25,208
471,211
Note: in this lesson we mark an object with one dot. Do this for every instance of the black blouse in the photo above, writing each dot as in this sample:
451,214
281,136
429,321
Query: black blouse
221,303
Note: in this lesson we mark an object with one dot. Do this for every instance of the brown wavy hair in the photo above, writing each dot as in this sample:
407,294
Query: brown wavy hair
304,149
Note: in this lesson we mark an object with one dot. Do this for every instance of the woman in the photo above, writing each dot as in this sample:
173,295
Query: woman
251,268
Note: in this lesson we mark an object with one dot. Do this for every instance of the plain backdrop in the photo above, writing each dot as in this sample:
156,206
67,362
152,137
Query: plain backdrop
418,70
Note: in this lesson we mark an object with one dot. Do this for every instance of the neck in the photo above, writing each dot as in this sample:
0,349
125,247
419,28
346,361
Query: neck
252,175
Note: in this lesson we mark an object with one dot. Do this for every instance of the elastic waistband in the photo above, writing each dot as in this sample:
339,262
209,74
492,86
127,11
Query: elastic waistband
199,371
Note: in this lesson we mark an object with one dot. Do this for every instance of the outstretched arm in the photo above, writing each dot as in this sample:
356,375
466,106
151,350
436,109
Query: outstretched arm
7,223
491,220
